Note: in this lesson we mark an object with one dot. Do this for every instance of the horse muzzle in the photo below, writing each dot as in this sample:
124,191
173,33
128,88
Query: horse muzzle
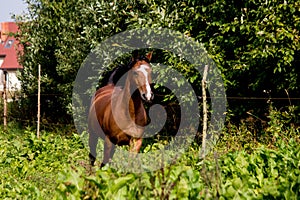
147,97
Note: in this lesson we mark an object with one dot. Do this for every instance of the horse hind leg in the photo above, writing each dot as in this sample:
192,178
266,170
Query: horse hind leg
93,141
109,150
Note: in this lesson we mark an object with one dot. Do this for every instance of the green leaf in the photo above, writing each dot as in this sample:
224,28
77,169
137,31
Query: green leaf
122,182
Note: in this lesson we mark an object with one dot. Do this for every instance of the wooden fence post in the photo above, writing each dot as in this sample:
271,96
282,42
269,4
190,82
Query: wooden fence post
204,132
39,102
4,100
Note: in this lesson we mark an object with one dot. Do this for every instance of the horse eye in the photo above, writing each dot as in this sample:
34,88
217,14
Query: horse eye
135,73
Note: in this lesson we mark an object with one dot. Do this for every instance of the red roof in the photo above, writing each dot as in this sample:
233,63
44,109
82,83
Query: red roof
8,46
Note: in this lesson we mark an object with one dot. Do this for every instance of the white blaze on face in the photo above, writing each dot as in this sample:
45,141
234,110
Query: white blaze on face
143,69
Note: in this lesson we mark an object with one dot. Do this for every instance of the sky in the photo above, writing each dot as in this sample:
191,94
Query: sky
9,7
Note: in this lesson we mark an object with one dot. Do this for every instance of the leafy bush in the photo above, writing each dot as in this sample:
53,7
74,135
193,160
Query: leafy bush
57,166
263,169
29,165
265,173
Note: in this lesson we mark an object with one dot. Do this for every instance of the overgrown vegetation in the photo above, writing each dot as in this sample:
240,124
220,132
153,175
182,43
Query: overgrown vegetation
29,165
241,166
255,44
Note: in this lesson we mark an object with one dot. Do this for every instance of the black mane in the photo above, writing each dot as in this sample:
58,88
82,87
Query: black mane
116,73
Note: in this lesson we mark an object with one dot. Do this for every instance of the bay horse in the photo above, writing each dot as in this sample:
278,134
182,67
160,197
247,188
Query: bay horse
117,116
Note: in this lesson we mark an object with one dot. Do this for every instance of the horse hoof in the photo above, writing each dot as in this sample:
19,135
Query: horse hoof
102,165
92,159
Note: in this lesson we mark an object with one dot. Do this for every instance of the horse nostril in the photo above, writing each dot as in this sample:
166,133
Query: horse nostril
152,96
143,96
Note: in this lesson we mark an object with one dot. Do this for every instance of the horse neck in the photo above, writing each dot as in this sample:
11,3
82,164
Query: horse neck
136,110
127,111
127,91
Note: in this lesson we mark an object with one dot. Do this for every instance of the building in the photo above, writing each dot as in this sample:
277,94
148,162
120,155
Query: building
9,64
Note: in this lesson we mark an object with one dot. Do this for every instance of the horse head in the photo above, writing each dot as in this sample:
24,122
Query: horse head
141,76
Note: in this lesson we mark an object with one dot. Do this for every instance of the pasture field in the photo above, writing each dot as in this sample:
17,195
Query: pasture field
243,165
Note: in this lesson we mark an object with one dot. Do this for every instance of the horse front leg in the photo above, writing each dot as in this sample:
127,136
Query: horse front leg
109,150
134,161
135,144
93,141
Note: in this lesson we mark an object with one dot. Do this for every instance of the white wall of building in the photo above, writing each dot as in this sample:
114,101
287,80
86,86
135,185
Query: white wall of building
12,84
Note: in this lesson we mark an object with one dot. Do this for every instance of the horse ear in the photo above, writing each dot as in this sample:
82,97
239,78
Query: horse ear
135,55
149,55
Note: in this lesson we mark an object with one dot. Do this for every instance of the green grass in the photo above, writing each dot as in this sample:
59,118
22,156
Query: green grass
241,166
29,166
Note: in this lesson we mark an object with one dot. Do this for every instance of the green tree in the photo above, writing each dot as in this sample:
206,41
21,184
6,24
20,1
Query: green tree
258,51
58,35
254,43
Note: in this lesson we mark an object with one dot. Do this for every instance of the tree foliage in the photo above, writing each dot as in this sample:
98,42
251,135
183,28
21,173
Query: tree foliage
254,43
